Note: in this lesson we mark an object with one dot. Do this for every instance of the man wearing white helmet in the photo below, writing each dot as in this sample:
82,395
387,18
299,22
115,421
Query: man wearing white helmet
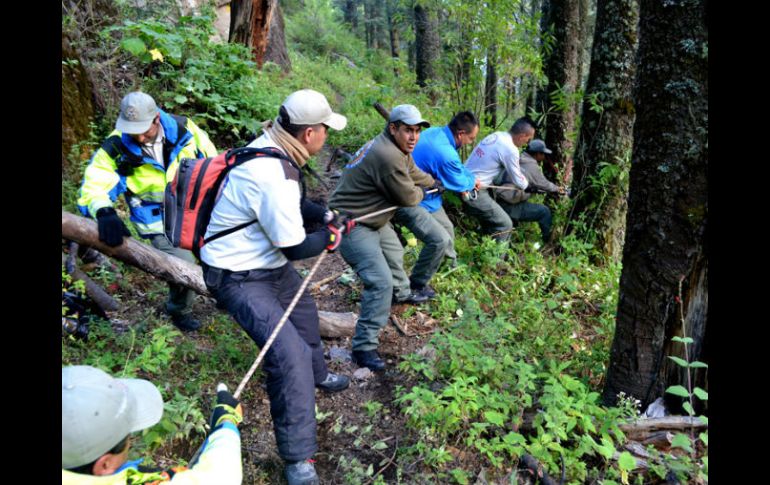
99,414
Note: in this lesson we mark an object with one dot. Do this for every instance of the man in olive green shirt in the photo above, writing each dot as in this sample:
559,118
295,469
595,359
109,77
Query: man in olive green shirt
382,174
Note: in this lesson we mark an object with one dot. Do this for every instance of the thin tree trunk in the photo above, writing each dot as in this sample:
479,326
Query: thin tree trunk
490,90
666,231
393,29
427,42
351,13
605,140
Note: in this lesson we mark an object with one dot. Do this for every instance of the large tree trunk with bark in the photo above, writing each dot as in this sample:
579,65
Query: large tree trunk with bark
258,24
77,101
666,242
600,184
427,42
561,67
350,10
392,6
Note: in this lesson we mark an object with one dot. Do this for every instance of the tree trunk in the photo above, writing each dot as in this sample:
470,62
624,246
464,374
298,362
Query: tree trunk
427,43
393,28
351,13
561,67
147,258
600,184
666,227
77,102
258,24
490,89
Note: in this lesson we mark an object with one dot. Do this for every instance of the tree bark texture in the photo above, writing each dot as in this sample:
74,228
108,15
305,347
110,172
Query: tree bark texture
490,89
427,43
605,139
77,102
666,229
561,67
258,24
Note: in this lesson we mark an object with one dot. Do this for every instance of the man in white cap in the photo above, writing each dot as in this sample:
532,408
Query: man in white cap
136,160
515,201
99,413
382,174
497,153
250,275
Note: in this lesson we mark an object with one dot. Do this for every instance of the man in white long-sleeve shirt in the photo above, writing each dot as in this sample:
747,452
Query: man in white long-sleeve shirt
497,154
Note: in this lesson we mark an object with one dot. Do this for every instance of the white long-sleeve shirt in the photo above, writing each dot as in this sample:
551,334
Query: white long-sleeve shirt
496,153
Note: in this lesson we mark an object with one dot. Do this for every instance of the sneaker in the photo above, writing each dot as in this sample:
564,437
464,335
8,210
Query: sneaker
301,473
368,358
185,323
334,383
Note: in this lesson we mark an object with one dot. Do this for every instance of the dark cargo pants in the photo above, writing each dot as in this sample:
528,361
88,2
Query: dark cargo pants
294,363
435,237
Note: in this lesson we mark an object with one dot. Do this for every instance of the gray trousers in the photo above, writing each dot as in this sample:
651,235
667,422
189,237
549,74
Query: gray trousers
493,218
437,241
377,257
180,298
530,212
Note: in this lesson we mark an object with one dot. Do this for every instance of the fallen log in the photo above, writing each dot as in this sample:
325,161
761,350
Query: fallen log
643,429
336,325
145,257
537,469
93,290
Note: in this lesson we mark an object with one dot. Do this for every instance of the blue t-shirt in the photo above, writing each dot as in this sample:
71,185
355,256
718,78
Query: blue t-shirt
436,154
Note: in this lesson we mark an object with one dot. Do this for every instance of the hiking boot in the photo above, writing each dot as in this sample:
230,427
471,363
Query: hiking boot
334,383
301,473
185,323
368,358
424,290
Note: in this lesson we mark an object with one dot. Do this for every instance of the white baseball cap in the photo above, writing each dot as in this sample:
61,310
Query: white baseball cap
409,114
137,110
98,411
308,107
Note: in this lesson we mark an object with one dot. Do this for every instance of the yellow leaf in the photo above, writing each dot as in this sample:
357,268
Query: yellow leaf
156,55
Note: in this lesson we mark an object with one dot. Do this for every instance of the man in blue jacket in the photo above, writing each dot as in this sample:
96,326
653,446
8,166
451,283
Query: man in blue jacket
436,154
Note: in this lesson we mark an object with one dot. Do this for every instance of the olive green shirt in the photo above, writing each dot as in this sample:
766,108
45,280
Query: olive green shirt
380,176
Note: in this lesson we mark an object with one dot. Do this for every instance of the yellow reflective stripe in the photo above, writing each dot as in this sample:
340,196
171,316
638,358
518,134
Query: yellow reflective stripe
202,140
99,179
152,228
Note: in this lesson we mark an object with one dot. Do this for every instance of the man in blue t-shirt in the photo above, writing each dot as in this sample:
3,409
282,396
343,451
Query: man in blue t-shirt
436,154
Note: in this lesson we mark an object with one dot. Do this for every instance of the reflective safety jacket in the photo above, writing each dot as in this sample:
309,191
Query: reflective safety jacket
120,167
219,464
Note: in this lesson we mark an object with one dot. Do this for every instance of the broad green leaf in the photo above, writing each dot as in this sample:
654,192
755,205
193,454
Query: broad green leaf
678,391
626,461
684,340
380,445
370,470
134,45
698,364
679,361
606,449
681,441
704,420
180,99
702,395
495,417
688,408
704,437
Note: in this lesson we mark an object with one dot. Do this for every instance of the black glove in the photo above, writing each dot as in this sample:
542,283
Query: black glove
335,237
343,219
111,227
438,186
227,409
